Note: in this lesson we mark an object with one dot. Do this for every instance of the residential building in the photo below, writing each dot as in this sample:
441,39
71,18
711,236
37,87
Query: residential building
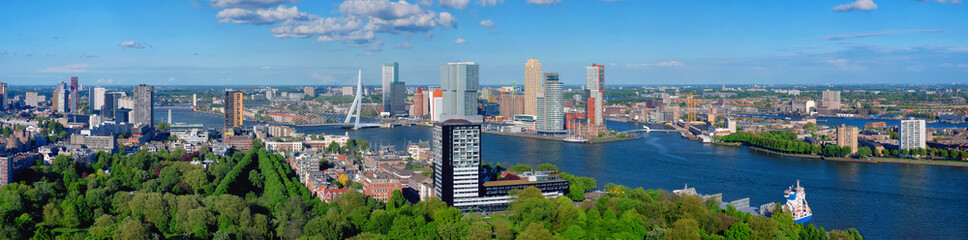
60,98
380,185
418,108
595,84
309,91
551,114
912,134
233,111
532,86
512,104
10,166
143,111
31,99
456,162
4,99
830,100
459,82
847,136
74,95
240,143
436,104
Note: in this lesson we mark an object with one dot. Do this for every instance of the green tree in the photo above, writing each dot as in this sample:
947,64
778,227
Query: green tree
535,231
739,231
683,229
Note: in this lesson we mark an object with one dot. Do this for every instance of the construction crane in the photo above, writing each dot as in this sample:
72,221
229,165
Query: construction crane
690,101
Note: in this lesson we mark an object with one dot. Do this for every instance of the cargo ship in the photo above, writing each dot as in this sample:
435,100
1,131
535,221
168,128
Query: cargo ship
796,204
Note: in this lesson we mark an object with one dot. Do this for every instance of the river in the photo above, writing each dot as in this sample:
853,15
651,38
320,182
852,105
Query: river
883,201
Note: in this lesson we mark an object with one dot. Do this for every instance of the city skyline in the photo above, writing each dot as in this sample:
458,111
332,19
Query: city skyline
253,42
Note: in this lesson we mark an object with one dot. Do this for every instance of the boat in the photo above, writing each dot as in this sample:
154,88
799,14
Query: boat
575,140
796,204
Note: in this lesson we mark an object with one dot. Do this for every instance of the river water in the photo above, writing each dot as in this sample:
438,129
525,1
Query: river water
883,201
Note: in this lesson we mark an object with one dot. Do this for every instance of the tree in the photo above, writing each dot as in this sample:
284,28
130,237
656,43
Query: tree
197,179
864,151
132,229
738,231
546,166
535,231
520,168
683,229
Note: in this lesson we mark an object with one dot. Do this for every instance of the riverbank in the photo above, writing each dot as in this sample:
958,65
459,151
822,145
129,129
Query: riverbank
864,160
922,162
785,154
599,140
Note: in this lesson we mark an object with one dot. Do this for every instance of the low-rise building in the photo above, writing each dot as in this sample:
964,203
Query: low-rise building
380,185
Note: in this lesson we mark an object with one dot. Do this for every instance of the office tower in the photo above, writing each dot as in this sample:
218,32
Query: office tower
31,99
417,109
459,82
436,105
912,134
511,104
233,110
399,95
110,106
74,96
595,76
532,86
309,91
831,100
391,75
60,98
96,99
143,109
194,102
551,114
456,162
122,115
847,136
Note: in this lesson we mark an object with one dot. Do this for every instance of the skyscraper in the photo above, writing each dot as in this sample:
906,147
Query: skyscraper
110,106
391,75
417,109
595,84
4,102
436,100
399,96
831,100
551,114
96,99
847,137
143,111
912,134
60,98
74,95
233,110
511,104
532,86
459,82
456,162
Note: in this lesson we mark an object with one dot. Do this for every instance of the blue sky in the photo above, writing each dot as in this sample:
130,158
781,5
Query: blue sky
261,42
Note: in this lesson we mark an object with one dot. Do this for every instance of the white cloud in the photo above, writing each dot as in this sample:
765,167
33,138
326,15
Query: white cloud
382,9
132,44
861,5
454,4
259,16
543,2
460,41
671,64
487,23
491,2
405,45
70,68
248,3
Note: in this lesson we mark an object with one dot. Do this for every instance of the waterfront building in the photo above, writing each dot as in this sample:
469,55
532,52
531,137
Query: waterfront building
459,82
847,136
595,84
418,107
60,98
309,91
551,114
144,98
394,91
233,111
831,100
96,98
31,99
511,104
532,86
436,105
912,134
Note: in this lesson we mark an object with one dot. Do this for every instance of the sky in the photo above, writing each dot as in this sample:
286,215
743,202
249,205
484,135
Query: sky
641,42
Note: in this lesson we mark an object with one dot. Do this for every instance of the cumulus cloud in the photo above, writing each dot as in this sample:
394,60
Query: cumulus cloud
382,9
487,23
405,45
460,41
259,16
248,3
491,2
860,5
875,34
454,4
132,44
671,64
70,68
543,2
